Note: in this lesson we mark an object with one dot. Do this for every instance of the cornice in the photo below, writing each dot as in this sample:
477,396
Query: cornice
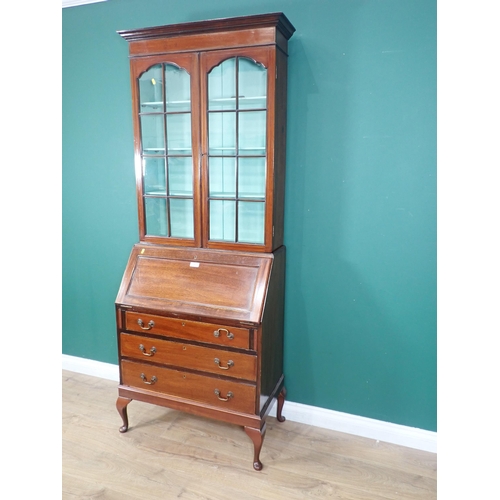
278,19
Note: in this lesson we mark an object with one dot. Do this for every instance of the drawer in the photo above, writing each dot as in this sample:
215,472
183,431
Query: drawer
236,396
188,330
207,359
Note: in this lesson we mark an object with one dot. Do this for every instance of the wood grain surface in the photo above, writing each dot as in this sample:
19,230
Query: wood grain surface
169,454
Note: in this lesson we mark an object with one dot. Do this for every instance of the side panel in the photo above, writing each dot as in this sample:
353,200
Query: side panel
272,329
280,148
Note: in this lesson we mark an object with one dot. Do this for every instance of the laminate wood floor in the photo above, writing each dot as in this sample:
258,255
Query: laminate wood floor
168,454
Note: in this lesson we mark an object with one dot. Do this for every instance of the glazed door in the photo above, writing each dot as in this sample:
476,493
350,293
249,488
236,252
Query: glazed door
167,156
237,135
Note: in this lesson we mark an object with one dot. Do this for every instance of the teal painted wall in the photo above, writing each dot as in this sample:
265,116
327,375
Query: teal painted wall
360,193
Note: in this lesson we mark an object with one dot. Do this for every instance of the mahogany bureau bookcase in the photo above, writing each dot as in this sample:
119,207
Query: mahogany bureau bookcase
200,307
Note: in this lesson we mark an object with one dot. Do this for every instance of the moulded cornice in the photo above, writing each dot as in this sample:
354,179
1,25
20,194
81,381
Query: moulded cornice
277,19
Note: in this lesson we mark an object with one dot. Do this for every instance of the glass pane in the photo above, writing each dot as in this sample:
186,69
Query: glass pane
251,222
222,220
222,133
152,134
154,176
252,133
222,177
179,133
252,84
181,218
151,90
180,176
252,177
222,86
177,89
156,216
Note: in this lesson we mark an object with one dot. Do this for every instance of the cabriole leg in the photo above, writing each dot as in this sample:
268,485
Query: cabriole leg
257,437
121,406
281,402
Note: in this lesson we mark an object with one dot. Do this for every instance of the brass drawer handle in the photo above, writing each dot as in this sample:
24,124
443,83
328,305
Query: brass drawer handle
229,395
151,351
229,364
229,335
141,324
145,380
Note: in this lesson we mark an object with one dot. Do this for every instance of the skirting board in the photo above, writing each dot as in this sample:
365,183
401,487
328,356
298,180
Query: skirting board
401,435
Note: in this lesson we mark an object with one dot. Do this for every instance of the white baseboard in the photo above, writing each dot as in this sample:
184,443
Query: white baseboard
379,430
91,367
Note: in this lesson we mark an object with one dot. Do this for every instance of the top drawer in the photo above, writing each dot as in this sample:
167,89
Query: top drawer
188,330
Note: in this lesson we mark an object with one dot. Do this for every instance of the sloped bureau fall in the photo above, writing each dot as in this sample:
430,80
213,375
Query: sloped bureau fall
200,307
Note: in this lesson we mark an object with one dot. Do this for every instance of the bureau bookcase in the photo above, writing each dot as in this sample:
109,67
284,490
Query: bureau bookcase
200,307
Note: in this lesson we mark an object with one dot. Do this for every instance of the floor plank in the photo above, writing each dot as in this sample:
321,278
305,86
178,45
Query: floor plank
168,454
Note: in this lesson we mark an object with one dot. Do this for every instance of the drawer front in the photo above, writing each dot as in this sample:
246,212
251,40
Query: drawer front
188,330
207,359
231,395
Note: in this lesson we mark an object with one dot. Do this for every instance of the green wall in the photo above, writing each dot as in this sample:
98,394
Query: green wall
360,193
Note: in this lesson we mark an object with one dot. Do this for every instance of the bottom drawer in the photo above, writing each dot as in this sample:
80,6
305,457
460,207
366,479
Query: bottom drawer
231,395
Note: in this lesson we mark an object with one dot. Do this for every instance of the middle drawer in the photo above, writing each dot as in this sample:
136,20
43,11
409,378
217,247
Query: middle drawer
183,355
